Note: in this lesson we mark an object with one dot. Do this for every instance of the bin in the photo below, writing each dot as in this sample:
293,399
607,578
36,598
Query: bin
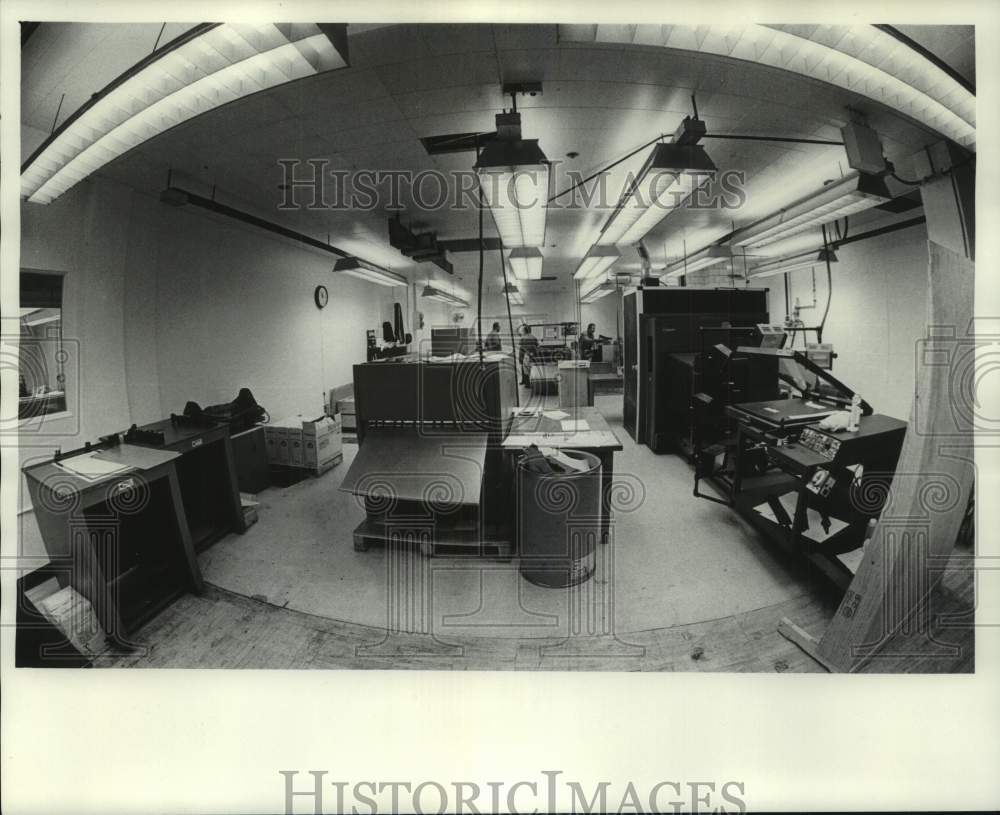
559,522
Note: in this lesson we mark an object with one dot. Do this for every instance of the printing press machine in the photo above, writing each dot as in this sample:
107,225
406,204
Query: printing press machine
429,467
811,490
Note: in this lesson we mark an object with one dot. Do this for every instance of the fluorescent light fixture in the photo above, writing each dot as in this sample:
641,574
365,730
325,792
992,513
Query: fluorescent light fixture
513,295
855,192
357,267
514,180
702,259
863,59
597,261
791,264
598,287
443,296
208,66
596,293
526,263
671,173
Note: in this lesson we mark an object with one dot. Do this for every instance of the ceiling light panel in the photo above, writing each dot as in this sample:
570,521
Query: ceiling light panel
356,267
208,66
669,176
702,259
526,263
597,261
853,193
792,264
860,58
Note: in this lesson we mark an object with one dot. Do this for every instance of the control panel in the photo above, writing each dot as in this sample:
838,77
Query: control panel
819,442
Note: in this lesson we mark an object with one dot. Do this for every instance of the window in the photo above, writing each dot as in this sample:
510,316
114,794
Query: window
41,362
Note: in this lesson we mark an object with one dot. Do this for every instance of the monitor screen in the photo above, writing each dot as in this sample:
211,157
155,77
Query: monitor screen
550,332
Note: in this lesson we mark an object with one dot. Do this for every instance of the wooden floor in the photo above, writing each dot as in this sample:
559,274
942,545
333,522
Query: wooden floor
221,629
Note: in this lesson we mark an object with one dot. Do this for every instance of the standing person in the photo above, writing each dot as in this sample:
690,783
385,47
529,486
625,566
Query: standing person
493,339
528,348
588,342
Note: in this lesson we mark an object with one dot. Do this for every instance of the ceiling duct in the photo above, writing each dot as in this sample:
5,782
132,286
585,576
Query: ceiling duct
422,247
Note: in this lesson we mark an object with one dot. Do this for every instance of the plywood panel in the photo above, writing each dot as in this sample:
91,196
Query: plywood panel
918,527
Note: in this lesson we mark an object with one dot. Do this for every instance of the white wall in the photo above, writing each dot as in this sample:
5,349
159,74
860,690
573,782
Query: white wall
235,309
877,314
171,304
83,234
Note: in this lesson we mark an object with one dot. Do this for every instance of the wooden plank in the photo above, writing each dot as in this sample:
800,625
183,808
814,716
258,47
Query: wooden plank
930,492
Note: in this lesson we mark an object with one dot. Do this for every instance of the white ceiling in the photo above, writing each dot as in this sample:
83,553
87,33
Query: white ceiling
409,81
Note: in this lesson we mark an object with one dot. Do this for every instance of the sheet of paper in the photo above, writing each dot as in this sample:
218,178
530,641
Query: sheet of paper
815,532
556,415
575,425
87,466
525,411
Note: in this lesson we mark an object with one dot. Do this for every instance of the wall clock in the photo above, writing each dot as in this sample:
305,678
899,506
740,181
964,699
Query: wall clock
321,296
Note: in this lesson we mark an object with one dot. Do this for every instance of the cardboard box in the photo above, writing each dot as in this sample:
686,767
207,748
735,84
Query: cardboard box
321,450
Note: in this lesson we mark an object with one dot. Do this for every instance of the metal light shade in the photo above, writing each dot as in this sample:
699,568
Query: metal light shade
791,264
514,179
855,192
526,263
208,66
597,261
669,176
703,259
442,296
369,271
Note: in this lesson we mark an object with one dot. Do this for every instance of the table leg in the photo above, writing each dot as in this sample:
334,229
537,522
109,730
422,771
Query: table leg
607,478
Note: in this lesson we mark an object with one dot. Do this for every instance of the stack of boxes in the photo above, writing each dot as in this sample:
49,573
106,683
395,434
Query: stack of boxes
345,408
308,444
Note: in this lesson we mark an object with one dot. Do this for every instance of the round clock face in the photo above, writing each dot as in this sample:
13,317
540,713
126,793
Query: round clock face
321,296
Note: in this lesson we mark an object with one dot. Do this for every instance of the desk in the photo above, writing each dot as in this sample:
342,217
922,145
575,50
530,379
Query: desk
122,541
600,440
206,472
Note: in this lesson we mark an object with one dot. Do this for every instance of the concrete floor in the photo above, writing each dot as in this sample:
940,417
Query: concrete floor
674,560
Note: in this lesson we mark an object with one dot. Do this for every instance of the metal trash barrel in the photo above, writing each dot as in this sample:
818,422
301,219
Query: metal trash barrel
559,522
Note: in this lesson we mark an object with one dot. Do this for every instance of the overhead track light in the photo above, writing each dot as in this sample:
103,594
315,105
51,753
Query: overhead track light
208,66
597,261
854,193
443,296
357,267
702,259
526,263
514,180
791,264
669,176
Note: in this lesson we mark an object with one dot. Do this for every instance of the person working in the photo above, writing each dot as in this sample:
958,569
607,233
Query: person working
528,348
588,342
493,339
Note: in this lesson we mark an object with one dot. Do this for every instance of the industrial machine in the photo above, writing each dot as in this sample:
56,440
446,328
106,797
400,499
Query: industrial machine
661,320
811,489
429,465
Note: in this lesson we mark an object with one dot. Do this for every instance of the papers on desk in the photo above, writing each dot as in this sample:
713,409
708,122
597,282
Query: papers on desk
555,415
91,468
575,426
525,412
